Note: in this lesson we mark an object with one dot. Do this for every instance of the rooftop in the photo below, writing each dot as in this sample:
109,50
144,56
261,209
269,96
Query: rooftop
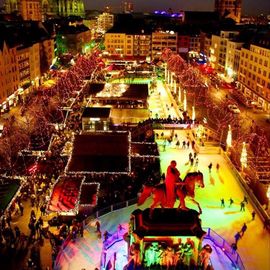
100,152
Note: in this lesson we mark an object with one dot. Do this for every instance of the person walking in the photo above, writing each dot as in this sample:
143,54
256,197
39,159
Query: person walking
21,208
245,200
244,228
222,202
253,214
190,156
242,206
231,202
184,144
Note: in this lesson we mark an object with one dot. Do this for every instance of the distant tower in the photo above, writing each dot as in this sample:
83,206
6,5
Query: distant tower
229,9
29,9
127,7
11,6
70,7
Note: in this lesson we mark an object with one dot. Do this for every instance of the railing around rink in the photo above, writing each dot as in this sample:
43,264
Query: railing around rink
114,207
97,214
217,240
220,242
252,198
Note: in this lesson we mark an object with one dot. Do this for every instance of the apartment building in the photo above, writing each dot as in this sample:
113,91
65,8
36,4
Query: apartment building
162,40
46,52
142,44
119,44
105,22
9,75
233,58
28,59
218,49
205,43
73,39
195,43
254,73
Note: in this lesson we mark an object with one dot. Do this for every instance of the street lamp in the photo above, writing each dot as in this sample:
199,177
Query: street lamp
193,114
175,86
185,101
172,74
229,138
179,95
243,158
165,73
268,196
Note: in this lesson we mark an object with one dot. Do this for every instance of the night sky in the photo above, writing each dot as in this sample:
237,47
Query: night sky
249,7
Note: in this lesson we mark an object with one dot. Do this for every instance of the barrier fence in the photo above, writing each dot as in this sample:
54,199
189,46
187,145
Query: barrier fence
217,240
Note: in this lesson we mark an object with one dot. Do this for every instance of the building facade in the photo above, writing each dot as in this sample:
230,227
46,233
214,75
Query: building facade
119,44
162,40
77,42
142,44
254,74
233,58
9,75
229,9
105,22
30,10
218,49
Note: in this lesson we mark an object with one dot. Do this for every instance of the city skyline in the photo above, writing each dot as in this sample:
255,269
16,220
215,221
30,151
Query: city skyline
249,7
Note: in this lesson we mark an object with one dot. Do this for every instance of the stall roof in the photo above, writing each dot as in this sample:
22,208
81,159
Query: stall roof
100,152
96,112
134,91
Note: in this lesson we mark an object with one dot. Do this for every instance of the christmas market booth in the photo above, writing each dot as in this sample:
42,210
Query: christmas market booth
96,118
72,195
100,152
128,102
165,238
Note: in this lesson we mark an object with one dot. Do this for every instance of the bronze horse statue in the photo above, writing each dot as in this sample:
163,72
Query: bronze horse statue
185,188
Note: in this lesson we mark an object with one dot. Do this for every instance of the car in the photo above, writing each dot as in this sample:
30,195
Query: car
233,108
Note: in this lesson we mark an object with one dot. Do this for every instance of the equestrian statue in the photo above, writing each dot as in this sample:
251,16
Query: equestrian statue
164,195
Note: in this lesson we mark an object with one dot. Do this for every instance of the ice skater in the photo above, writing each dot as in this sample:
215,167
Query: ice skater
253,214
237,237
244,228
242,206
217,167
210,167
231,202
222,202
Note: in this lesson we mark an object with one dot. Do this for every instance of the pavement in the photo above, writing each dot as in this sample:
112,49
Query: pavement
44,246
